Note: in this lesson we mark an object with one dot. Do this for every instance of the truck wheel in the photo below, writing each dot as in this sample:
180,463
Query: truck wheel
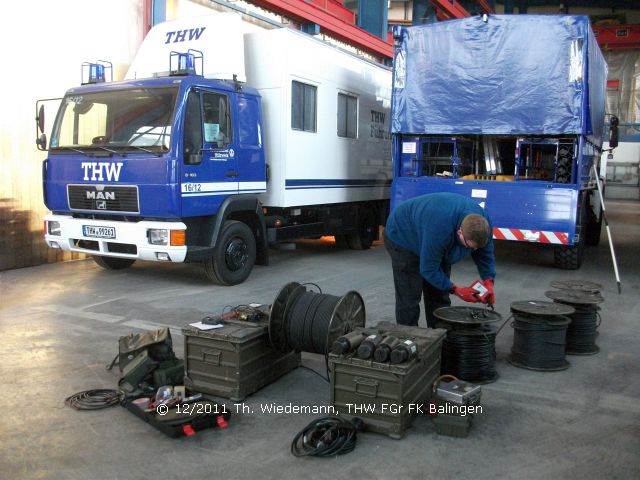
113,263
365,233
568,257
563,169
234,255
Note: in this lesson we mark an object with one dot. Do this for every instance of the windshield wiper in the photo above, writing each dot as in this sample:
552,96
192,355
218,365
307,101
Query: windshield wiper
109,150
157,154
87,154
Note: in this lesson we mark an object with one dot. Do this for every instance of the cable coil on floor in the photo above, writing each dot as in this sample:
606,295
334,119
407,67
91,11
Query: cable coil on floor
309,321
468,350
539,337
470,355
583,329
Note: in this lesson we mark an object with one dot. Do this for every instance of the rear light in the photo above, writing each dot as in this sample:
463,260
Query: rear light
178,238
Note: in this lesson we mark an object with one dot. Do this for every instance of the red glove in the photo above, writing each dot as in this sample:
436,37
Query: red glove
491,297
467,294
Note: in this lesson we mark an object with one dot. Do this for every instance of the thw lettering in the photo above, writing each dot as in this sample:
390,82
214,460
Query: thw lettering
182,35
101,171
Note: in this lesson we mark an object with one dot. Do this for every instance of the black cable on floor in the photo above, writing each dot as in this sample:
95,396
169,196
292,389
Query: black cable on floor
327,437
582,331
539,342
308,321
93,399
470,354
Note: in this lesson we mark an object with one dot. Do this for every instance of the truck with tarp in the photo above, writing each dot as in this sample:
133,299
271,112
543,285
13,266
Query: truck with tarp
508,110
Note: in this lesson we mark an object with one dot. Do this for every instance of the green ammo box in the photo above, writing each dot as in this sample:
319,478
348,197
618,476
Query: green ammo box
386,396
233,361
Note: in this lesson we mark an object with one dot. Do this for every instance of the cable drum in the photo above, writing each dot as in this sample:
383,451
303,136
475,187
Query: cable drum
468,350
309,321
539,339
583,329
470,355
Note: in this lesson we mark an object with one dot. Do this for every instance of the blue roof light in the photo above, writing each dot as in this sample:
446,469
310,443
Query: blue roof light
96,72
181,63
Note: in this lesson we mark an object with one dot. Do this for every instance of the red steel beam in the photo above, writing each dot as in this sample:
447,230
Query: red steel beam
484,5
301,11
449,9
618,37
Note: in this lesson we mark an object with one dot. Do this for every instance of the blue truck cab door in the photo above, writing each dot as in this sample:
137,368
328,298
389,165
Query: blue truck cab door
209,169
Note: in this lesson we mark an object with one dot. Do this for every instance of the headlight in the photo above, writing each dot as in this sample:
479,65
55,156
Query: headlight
158,236
53,228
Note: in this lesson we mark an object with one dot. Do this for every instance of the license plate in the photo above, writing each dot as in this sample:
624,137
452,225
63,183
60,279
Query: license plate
98,232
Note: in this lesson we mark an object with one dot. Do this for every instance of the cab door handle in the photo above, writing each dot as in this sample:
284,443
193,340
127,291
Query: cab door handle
231,173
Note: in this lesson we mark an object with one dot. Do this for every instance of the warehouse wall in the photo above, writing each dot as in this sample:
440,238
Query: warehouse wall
43,46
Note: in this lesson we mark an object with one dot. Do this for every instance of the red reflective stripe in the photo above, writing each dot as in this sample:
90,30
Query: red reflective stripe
543,238
563,237
518,234
498,234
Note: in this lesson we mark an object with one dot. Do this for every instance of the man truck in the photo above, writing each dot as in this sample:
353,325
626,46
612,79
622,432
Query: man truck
222,140
508,110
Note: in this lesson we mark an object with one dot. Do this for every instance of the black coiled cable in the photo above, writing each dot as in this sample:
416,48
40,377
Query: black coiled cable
93,399
470,354
308,322
582,331
539,342
326,437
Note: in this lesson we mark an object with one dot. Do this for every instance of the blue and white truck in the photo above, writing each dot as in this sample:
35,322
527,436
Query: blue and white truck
222,140
508,110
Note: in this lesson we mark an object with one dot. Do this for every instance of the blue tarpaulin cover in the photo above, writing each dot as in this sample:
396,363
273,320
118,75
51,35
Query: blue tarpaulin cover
508,75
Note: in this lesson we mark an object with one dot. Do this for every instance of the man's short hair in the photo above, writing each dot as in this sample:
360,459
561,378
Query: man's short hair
476,228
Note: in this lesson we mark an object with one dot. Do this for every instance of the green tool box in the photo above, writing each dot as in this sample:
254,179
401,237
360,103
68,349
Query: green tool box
233,361
386,396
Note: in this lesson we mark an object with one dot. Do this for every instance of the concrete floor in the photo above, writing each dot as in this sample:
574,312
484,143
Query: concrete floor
60,325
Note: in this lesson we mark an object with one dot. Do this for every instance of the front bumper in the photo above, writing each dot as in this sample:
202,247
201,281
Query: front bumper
130,239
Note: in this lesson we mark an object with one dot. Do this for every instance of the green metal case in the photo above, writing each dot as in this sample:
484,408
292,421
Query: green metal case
233,361
385,396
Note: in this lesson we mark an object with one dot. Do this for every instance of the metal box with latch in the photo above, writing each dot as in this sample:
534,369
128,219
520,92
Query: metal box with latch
386,396
233,361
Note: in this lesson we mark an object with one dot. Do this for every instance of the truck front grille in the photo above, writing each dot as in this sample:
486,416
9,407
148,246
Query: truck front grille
104,198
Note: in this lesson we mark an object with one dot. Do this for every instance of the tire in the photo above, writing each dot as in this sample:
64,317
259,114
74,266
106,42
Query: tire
366,231
113,263
568,257
563,168
234,256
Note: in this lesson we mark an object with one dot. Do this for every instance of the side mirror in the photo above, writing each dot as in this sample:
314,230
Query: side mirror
613,132
41,142
40,119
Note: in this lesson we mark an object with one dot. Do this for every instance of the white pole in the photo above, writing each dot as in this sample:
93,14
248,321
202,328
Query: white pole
606,223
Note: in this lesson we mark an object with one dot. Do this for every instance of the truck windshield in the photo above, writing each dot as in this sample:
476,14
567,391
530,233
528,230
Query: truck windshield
122,120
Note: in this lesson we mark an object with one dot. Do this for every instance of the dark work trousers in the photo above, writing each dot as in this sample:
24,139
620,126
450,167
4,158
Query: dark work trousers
410,286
